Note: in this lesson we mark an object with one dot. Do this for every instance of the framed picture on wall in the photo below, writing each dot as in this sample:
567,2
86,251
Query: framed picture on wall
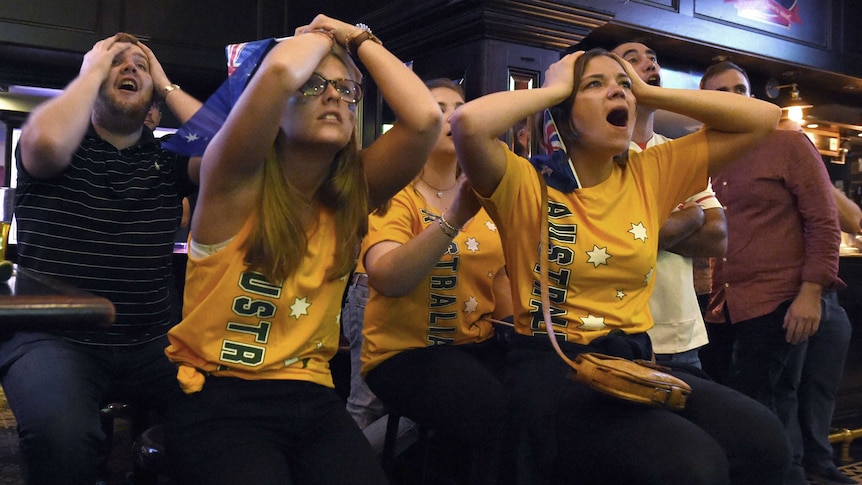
523,137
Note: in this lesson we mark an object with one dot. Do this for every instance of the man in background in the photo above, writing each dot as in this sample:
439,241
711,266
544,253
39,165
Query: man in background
154,115
695,228
777,285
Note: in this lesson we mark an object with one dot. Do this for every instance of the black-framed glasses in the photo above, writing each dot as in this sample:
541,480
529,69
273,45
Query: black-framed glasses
349,91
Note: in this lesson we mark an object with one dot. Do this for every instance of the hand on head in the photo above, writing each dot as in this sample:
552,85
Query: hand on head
561,75
101,56
639,87
341,31
157,72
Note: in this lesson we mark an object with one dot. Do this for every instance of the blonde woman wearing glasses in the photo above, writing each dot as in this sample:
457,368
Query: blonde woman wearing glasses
283,205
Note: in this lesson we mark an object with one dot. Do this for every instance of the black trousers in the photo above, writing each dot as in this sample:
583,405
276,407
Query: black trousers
455,389
564,432
267,432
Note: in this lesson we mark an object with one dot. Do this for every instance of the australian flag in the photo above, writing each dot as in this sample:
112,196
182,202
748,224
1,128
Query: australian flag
242,60
556,166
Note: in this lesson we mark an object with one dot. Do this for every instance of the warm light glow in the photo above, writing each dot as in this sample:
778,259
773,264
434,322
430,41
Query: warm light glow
794,113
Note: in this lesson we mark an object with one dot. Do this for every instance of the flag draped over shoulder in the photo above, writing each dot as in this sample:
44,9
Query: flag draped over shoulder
242,60
555,166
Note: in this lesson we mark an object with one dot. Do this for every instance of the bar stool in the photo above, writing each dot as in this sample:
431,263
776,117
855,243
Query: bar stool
109,414
390,446
148,456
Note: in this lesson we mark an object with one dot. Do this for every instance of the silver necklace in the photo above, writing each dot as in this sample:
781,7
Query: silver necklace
440,192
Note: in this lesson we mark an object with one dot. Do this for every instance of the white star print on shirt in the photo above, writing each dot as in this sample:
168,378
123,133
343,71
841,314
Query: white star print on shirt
299,307
472,244
471,305
598,256
639,231
621,294
191,137
491,226
592,322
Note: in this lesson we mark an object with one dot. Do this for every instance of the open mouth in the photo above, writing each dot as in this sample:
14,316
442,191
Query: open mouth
331,116
654,81
128,85
619,117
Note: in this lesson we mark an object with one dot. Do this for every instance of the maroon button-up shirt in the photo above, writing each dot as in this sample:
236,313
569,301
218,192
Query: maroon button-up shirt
782,228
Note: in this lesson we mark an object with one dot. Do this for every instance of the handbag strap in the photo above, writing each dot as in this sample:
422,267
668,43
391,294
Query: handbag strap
544,261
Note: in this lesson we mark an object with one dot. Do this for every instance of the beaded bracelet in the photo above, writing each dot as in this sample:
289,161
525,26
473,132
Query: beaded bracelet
447,228
446,231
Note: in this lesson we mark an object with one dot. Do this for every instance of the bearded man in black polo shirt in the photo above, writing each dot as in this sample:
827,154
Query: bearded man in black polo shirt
98,204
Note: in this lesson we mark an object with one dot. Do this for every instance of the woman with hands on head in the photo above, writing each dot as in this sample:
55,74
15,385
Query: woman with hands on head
281,211
605,212
437,277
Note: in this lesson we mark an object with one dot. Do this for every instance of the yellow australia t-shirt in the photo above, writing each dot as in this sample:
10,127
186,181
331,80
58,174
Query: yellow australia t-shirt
236,323
452,305
604,239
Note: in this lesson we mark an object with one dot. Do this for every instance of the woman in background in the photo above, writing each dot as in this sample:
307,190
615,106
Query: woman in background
435,270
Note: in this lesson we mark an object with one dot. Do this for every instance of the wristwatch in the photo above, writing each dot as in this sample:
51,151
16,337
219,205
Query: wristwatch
353,42
166,90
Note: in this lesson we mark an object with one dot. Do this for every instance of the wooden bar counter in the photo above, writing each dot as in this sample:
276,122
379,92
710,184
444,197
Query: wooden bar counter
30,301
847,419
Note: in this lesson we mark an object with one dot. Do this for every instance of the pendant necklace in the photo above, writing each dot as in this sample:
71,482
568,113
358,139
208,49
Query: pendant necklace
440,192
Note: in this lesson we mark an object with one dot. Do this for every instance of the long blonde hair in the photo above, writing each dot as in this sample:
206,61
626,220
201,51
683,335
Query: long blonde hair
278,242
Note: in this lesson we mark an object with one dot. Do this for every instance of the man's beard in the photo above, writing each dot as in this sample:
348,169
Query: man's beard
119,118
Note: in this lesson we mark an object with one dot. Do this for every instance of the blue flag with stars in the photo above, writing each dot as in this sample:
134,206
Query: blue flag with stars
242,59
557,167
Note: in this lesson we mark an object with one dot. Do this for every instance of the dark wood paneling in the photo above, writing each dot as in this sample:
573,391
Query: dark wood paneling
42,42
848,401
193,24
809,23
851,34
70,16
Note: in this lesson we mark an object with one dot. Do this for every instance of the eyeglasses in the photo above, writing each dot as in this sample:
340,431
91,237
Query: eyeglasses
349,91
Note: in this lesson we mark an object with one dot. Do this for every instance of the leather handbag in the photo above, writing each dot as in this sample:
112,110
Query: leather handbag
637,381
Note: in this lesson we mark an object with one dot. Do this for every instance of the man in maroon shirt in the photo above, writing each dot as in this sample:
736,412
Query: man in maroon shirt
781,265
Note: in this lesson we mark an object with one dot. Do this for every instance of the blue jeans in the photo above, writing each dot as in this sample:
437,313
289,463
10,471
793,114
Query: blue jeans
362,404
821,373
56,388
764,365
688,357
769,369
